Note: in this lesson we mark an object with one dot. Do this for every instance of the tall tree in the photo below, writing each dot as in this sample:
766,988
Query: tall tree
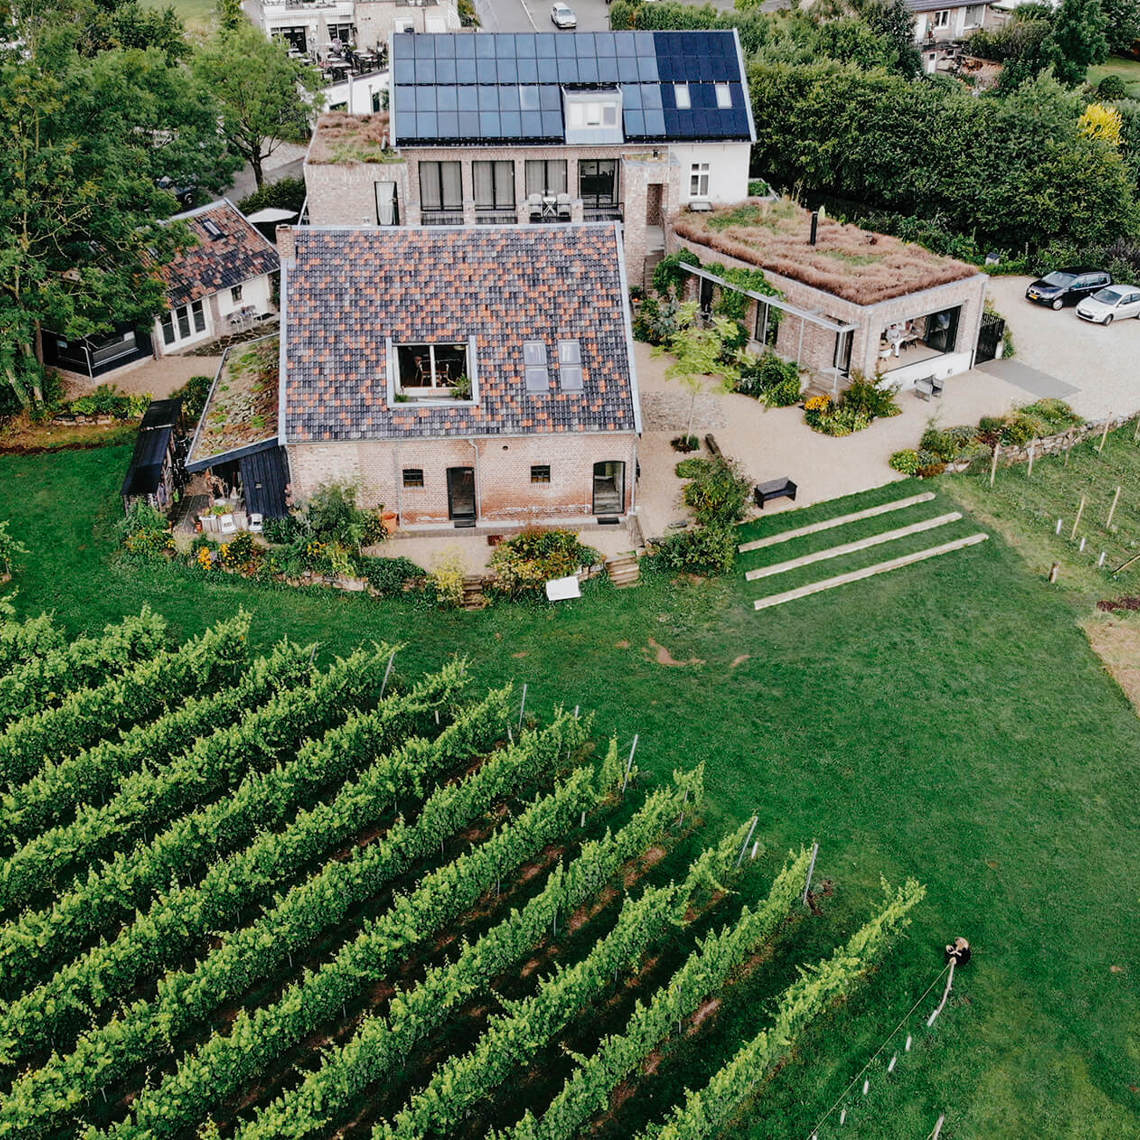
894,21
1122,20
264,97
1077,40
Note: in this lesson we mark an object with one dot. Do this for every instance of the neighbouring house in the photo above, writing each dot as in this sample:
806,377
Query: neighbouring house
939,24
155,473
850,300
495,129
236,441
310,26
219,284
460,376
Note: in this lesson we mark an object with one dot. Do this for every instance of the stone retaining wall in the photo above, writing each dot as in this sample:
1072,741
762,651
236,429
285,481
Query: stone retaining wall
1050,444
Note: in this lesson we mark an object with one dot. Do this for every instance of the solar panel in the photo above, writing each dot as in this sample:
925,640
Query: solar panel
445,70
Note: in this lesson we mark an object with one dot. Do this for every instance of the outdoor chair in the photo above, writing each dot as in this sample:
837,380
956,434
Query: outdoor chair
927,386
534,206
256,522
228,525
564,206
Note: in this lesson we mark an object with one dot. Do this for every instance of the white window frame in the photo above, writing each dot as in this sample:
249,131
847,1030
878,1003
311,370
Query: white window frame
979,18
699,180
682,97
941,18
723,96
392,360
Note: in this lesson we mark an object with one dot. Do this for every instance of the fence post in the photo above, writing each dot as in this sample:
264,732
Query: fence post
811,871
993,462
629,764
1112,509
747,838
387,674
1077,520
1103,437
522,706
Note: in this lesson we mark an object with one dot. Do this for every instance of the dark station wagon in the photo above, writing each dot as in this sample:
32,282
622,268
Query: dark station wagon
1067,286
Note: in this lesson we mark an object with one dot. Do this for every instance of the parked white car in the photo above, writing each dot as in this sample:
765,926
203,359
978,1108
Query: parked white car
1113,301
562,16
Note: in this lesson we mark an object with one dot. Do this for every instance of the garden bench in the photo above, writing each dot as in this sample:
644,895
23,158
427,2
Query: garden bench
774,489
927,386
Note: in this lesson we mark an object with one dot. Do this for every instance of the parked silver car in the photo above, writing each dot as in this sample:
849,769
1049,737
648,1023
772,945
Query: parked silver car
1113,301
562,16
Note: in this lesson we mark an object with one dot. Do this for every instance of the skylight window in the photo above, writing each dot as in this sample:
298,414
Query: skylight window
211,227
681,94
534,364
723,96
570,365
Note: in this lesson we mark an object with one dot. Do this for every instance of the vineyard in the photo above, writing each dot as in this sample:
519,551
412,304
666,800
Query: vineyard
273,898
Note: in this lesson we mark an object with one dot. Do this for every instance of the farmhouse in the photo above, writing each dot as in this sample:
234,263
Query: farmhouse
461,375
548,128
223,281
849,300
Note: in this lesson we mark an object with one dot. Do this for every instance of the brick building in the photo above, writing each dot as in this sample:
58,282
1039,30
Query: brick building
500,129
848,301
461,375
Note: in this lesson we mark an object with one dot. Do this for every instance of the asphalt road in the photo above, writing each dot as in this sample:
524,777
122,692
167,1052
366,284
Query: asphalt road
534,15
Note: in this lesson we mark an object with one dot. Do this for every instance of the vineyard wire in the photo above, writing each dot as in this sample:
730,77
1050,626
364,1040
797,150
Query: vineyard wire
854,1080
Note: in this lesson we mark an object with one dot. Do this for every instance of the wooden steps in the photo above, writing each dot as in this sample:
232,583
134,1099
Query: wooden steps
624,570
869,571
473,596
841,520
853,547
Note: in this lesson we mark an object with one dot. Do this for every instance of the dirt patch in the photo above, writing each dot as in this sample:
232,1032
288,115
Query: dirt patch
1117,643
740,660
664,657
623,644
521,653
707,1009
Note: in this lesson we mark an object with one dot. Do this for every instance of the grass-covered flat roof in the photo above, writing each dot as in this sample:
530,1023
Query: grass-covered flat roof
242,408
341,137
850,262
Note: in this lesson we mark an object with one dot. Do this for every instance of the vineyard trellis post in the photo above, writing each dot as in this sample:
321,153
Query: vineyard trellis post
387,674
522,706
1077,520
1112,509
811,871
629,765
747,840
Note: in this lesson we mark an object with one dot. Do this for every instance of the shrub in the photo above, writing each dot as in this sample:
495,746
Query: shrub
1112,86
241,553
939,441
1019,429
707,550
929,470
107,400
656,322
144,532
768,378
10,549
284,194
446,580
905,461
1055,414
685,443
389,576
718,493
690,468
193,395
526,561
866,397
282,531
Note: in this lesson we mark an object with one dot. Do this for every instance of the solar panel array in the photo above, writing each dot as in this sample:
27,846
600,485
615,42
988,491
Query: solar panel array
504,87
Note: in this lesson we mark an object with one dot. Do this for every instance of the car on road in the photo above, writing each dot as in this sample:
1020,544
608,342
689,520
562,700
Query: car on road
562,16
1067,286
1113,301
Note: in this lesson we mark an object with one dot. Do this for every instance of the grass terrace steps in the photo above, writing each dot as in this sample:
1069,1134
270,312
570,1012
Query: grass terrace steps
870,571
853,547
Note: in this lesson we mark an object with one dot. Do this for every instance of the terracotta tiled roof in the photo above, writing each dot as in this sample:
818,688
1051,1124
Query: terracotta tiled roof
351,291
217,262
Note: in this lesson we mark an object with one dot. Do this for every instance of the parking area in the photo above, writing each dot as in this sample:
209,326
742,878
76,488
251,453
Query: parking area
1101,364
534,15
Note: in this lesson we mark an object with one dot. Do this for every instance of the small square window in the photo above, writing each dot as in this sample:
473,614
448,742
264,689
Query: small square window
537,378
413,477
570,377
723,96
211,228
681,94
235,294
569,352
540,473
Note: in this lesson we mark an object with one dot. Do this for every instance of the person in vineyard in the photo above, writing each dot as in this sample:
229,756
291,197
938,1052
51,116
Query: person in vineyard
958,951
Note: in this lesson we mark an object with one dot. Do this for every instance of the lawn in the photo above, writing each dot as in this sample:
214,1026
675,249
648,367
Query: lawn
948,721
1127,69
197,15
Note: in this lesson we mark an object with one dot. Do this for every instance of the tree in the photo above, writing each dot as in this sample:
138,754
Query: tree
264,97
1077,40
893,20
1122,18
699,352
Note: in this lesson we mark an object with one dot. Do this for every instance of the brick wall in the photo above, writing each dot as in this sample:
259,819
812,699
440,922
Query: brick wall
344,194
503,488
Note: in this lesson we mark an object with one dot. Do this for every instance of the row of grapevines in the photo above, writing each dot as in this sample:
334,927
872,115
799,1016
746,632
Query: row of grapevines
39,939
588,1089
144,1031
513,1039
24,640
707,1112
52,1014
47,678
148,799
228,1061
52,796
382,1044
142,693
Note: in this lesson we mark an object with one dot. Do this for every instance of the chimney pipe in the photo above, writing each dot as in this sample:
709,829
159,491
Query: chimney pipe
814,226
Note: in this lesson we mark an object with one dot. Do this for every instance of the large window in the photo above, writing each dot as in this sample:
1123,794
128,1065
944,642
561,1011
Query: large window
592,114
598,182
494,186
387,204
767,324
545,176
433,370
609,488
920,338
699,180
441,188
975,15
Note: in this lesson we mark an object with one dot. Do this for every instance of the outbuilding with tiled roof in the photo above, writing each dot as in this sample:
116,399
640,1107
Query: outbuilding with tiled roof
461,374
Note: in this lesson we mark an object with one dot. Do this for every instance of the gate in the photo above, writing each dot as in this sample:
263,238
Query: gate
989,338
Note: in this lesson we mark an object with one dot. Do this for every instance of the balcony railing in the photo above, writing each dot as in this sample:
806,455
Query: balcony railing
441,217
496,215
603,212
